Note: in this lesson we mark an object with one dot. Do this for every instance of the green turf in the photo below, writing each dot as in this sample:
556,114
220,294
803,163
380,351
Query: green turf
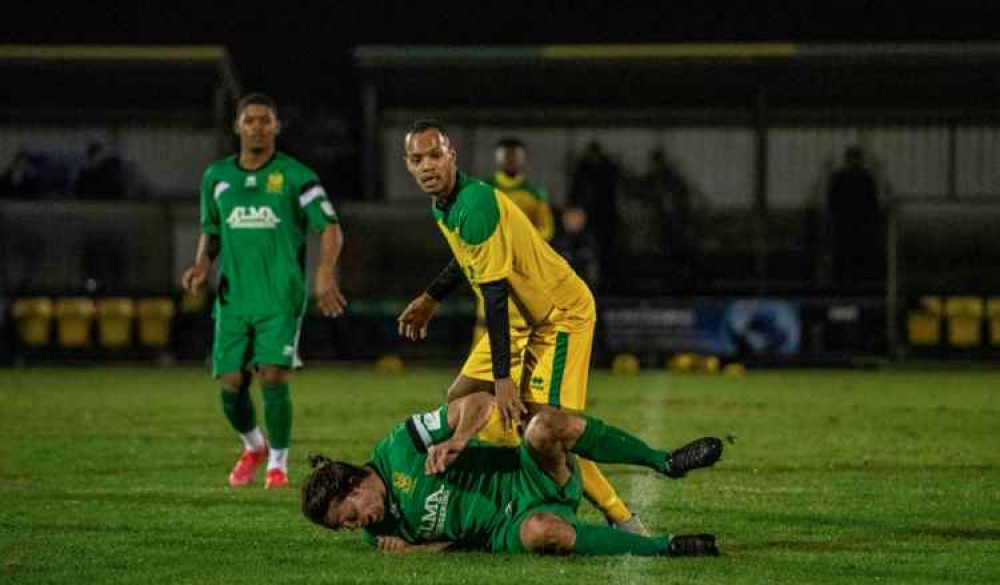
118,476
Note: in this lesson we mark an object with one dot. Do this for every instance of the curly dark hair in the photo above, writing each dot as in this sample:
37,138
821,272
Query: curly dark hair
330,481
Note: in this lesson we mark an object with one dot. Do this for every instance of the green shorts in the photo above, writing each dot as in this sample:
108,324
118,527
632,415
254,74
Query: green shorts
535,491
243,341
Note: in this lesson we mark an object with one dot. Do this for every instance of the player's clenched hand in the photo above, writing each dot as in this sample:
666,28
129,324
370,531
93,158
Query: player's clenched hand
509,403
328,296
194,278
414,318
391,544
440,456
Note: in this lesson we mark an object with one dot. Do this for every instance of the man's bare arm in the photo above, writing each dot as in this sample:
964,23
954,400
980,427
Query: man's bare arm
328,296
468,416
194,278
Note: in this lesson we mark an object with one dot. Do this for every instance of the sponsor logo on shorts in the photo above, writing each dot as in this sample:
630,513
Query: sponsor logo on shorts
288,350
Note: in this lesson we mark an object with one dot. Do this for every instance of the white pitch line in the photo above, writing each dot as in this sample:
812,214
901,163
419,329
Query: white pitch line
646,487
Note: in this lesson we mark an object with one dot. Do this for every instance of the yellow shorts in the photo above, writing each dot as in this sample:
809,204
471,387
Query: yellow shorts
550,362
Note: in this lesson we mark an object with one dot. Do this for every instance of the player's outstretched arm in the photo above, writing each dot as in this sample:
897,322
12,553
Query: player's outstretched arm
467,416
194,278
328,296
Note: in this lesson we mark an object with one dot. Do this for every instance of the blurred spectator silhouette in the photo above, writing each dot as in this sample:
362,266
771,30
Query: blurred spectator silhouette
594,188
855,222
578,246
22,179
679,216
101,176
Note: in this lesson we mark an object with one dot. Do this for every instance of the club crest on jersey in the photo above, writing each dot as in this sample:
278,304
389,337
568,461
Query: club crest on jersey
251,217
403,482
275,182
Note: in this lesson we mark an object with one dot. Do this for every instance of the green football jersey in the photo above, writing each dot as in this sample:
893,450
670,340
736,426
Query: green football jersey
464,504
262,218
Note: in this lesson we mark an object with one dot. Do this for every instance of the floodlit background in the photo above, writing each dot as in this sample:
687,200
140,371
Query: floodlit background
793,213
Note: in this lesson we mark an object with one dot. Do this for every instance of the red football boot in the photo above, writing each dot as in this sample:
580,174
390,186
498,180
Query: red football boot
276,478
245,472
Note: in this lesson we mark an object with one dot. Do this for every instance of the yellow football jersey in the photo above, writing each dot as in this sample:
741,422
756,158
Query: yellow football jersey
492,239
532,199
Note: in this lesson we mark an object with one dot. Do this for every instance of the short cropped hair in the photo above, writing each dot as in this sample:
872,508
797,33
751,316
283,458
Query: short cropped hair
256,99
426,124
510,142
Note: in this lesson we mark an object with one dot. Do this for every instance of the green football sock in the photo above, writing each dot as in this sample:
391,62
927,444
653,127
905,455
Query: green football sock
603,443
604,540
278,415
238,408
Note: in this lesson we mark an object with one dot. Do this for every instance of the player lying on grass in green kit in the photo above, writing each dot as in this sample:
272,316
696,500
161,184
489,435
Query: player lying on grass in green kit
430,486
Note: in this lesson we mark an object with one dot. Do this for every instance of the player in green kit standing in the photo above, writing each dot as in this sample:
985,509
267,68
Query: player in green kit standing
257,208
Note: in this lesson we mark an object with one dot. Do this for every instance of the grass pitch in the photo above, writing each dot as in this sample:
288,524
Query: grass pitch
119,476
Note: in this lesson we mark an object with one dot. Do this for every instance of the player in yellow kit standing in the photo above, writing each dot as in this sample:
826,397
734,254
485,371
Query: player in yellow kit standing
511,158
502,255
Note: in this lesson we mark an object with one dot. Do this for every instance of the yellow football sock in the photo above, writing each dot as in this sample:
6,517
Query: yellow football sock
600,492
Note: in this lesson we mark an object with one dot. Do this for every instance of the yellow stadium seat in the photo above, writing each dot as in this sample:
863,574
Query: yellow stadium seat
33,316
993,314
114,322
923,325
155,316
965,317
74,316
